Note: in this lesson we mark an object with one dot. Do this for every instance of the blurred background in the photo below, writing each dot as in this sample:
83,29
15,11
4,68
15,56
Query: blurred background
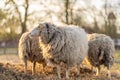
19,16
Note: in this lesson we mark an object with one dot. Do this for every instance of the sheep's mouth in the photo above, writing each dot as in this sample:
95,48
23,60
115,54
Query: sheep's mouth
32,35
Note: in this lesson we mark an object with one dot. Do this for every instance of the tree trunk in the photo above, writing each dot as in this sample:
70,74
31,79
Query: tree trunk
96,27
23,24
71,16
66,11
24,20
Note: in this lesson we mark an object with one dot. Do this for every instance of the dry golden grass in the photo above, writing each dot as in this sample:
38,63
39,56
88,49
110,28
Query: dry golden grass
11,68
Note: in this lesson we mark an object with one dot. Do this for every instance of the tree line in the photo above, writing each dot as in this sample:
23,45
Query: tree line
14,22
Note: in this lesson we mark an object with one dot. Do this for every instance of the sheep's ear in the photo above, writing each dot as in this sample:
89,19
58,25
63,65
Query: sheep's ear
41,26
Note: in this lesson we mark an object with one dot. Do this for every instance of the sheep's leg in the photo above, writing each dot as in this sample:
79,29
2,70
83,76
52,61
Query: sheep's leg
109,74
44,64
25,64
49,63
97,71
92,69
78,70
58,71
33,68
67,73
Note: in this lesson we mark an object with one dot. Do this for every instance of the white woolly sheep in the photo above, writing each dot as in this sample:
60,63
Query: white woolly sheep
101,51
29,50
62,44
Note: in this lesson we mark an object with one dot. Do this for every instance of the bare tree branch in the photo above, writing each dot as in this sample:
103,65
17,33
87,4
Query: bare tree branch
22,20
17,10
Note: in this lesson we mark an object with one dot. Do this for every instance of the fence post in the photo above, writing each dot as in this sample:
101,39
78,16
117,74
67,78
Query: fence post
4,47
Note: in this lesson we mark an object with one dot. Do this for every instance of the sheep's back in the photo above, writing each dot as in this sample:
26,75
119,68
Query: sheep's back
29,48
98,44
77,44
22,47
69,46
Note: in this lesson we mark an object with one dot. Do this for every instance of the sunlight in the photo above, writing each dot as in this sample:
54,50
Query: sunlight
97,3
2,3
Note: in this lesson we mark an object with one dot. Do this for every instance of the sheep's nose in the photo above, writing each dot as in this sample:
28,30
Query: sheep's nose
31,35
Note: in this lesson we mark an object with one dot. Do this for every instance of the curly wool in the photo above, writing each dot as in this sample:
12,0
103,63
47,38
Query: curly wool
101,50
29,48
63,44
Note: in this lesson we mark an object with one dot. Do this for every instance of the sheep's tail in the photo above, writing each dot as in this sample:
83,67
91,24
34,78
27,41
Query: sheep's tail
101,54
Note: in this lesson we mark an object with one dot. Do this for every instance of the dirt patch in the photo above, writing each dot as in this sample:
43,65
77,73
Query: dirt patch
16,72
11,68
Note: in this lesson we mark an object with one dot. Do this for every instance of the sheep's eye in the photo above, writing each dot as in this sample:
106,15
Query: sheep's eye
41,27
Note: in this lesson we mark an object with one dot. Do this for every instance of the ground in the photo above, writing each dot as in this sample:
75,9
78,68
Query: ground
11,68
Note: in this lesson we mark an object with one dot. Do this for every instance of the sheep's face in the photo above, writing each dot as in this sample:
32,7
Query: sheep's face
37,30
45,31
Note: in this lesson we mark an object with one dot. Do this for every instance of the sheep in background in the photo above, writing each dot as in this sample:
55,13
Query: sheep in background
29,50
101,51
62,44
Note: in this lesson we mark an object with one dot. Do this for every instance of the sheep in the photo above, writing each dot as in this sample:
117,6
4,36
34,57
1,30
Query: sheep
101,51
62,44
29,50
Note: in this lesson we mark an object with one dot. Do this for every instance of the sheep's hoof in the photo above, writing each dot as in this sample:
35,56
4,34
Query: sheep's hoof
93,71
96,74
33,74
78,74
109,76
25,71
67,79
76,78
59,77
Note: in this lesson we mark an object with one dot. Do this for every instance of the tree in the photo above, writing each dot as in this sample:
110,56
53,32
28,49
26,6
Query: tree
69,15
67,3
23,21
2,15
109,18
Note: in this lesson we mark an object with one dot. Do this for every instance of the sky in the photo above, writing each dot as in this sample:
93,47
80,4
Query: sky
2,3
81,3
35,6
97,3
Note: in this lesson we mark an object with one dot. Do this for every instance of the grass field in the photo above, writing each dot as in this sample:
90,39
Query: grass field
9,50
11,68
117,54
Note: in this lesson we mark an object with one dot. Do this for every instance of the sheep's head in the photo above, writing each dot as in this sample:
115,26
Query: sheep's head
37,30
45,31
